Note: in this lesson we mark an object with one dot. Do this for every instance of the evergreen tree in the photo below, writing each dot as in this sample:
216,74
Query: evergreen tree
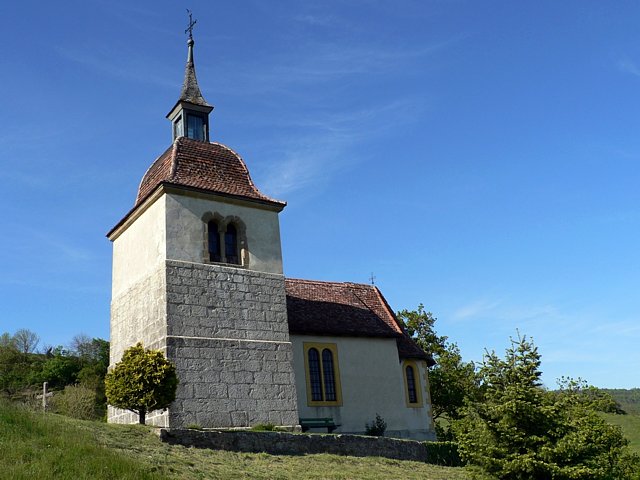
523,432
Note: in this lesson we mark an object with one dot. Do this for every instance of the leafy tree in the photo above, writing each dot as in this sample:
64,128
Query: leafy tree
420,326
25,340
522,431
59,370
14,368
143,381
6,340
593,397
452,380
95,358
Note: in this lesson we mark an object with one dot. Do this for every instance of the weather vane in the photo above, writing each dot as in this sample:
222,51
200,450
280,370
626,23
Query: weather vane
192,22
372,279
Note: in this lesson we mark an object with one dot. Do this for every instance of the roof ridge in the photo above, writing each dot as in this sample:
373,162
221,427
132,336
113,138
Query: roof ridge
332,282
150,167
174,159
388,308
246,169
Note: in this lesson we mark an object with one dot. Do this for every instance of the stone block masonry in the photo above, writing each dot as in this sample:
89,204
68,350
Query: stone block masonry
139,315
280,443
228,335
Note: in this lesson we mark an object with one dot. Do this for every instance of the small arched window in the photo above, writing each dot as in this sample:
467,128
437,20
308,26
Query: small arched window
315,380
213,241
231,245
411,385
329,376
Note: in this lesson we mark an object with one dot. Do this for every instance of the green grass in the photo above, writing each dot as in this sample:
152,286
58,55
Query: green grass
49,446
630,425
32,446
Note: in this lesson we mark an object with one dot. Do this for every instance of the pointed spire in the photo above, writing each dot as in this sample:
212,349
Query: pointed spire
190,114
190,90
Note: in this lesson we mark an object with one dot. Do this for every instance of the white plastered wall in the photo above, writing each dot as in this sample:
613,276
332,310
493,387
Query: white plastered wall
186,230
138,303
372,382
140,248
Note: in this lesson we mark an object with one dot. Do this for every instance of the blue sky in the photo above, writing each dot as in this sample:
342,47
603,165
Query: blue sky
479,157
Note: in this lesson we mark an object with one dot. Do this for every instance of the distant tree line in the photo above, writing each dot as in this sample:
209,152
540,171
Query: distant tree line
76,372
628,399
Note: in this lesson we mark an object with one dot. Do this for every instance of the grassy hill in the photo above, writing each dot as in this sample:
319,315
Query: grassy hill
34,445
630,425
629,399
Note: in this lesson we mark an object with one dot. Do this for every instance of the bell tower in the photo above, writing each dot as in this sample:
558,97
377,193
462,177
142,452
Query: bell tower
197,273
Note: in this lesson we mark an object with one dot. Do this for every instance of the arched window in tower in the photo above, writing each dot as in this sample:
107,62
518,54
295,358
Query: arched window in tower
214,241
315,380
231,244
329,376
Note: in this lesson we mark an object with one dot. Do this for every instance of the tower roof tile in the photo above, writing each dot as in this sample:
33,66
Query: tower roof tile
210,167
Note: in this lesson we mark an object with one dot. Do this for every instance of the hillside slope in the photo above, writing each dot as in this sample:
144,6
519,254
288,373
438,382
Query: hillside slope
629,399
49,446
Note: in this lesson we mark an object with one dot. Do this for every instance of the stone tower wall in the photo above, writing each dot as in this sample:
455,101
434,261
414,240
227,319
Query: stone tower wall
139,315
227,333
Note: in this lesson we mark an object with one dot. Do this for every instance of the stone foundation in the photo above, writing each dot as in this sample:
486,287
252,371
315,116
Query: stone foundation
280,443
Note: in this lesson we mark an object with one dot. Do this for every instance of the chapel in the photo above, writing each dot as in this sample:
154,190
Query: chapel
198,274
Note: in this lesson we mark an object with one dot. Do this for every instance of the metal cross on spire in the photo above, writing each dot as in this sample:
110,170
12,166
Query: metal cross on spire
192,22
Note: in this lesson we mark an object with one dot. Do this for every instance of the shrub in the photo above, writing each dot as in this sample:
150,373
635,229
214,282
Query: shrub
141,382
75,401
376,428
443,453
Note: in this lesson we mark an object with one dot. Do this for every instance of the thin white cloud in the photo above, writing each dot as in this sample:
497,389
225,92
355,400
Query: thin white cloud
628,66
115,64
617,328
503,312
320,20
330,146
480,308
50,245
315,64
305,161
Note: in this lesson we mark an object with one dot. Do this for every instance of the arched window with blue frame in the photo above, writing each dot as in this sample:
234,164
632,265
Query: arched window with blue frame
213,241
231,245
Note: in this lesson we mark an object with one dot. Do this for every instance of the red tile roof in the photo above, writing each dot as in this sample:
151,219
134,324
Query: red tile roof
345,309
210,167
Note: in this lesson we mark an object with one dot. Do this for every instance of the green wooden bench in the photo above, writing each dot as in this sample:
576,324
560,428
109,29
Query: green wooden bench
328,423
